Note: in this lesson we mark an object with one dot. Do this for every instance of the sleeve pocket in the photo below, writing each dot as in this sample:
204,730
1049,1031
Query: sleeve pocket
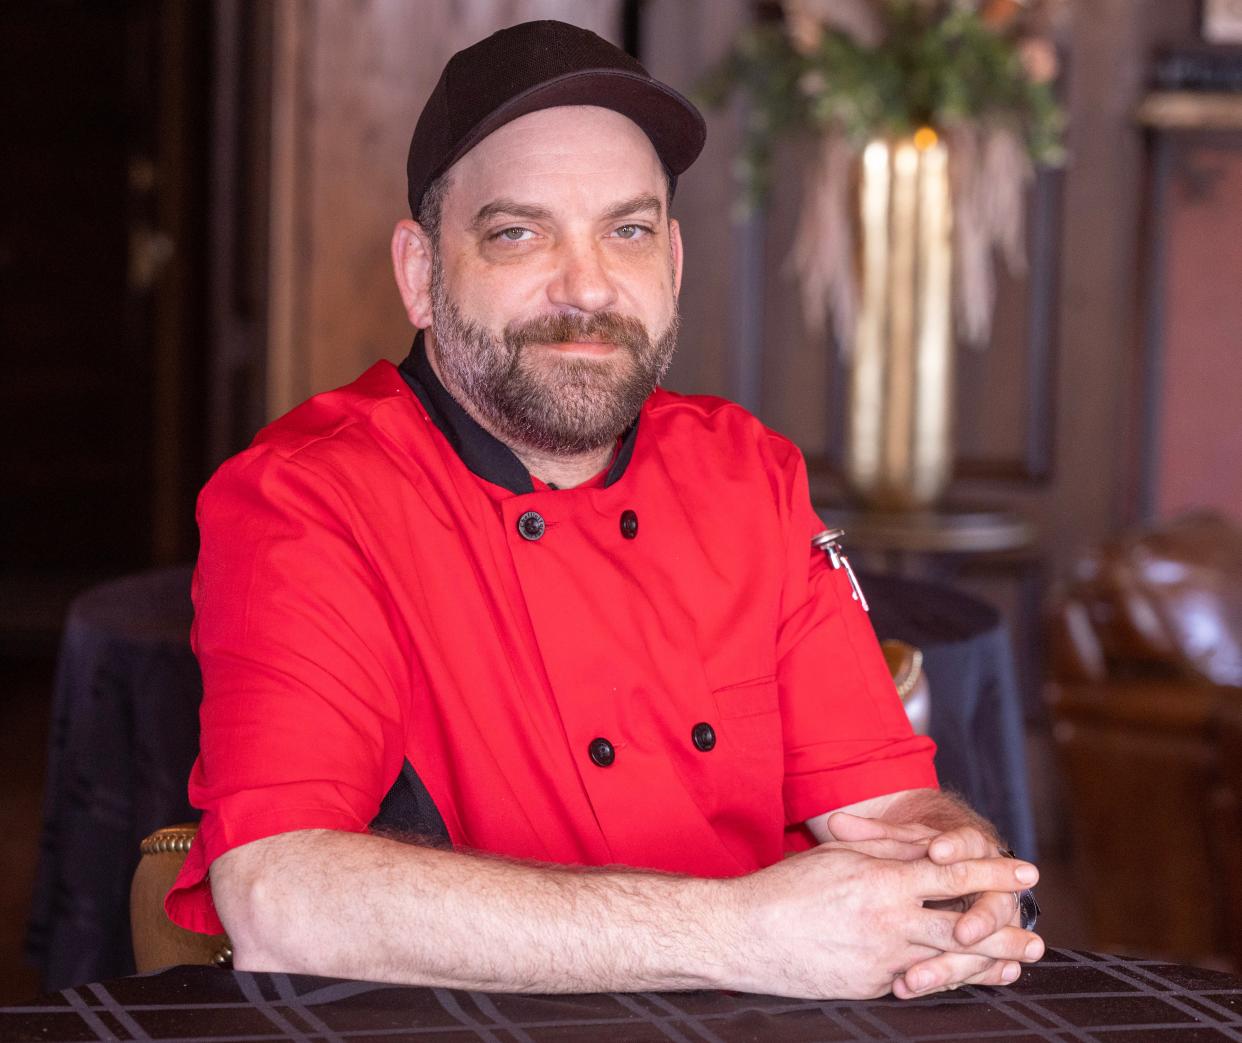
748,698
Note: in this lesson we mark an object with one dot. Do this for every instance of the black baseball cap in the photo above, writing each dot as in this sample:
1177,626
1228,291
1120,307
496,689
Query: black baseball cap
539,65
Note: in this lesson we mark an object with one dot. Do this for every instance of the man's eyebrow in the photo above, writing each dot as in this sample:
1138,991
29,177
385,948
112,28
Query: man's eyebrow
509,208
637,205
530,212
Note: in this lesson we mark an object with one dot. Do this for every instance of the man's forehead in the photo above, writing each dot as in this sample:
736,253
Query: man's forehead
563,142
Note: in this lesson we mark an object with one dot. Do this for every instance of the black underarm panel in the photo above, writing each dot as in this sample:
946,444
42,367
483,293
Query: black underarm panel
409,811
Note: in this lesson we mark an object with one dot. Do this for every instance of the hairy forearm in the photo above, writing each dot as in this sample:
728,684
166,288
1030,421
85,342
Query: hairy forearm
935,809
938,809
363,906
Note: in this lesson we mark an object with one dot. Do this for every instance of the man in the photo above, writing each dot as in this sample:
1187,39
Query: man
522,675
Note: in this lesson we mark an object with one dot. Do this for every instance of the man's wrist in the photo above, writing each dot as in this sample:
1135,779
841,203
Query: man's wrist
726,911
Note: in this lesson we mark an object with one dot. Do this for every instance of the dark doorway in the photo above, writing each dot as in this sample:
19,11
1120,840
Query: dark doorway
101,283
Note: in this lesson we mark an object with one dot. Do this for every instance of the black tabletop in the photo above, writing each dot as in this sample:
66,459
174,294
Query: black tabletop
1068,996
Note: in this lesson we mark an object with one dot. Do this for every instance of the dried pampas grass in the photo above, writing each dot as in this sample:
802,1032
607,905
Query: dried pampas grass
989,172
823,256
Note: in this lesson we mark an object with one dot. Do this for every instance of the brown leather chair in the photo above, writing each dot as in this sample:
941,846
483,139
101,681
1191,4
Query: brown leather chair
1147,667
158,942
905,663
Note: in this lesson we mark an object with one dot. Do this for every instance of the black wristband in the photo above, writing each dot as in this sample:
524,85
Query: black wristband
1028,907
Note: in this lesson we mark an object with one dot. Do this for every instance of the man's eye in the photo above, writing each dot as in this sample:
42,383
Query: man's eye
631,231
513,235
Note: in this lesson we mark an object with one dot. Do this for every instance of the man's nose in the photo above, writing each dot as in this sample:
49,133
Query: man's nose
582,280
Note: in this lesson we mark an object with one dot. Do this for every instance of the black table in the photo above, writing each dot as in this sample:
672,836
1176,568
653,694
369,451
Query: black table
1068,996
125,733
123,738
976,703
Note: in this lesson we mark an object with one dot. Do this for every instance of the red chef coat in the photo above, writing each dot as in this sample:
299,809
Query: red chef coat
656,670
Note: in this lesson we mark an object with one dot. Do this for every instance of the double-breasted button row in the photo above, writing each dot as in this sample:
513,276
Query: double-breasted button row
603,753
531,526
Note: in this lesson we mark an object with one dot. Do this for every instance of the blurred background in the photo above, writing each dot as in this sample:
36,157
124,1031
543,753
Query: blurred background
195,205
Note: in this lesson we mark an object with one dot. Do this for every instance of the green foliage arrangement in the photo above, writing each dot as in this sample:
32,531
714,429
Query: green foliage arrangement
867,68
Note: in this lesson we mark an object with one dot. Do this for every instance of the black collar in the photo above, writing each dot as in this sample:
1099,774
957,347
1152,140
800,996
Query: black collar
484,454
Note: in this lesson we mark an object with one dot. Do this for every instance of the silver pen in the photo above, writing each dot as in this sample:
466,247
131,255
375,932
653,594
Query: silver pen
829,542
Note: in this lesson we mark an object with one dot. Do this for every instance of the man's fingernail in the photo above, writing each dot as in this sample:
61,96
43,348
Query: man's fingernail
971,931
1028,874
1010,974
1034,950
918,982
941,849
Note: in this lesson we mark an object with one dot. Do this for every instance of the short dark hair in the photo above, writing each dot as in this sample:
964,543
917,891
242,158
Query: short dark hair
431,208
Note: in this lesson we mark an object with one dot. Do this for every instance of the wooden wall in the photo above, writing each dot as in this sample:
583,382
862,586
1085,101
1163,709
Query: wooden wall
1194,329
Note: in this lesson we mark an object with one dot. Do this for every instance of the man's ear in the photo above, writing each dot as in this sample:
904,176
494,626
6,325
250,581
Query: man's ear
411,267
674,236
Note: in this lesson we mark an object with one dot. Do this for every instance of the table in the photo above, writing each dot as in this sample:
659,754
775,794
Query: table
961,529
950,543
125,733
1067,996
976,702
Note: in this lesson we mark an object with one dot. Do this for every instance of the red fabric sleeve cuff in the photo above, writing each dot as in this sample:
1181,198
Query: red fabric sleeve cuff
812,793
189,903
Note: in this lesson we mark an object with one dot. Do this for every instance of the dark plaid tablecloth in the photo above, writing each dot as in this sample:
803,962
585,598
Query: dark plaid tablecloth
1068,996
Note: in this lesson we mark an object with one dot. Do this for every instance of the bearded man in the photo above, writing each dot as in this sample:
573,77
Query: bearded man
522,673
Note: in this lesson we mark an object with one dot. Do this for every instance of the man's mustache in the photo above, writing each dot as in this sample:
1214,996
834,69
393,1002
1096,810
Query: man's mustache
622,330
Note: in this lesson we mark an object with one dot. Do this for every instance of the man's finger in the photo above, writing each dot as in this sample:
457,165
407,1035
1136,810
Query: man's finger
845,826
936,930
939,973
947,975
988,913
949,970
974,875
898,850
957,845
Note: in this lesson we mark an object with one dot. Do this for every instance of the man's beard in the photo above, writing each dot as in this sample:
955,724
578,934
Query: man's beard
549,404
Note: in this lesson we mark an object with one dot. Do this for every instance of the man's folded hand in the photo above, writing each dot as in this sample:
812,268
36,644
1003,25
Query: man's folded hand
857,917
988,945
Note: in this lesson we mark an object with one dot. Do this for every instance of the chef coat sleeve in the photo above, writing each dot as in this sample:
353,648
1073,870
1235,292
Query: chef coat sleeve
847,737
301,716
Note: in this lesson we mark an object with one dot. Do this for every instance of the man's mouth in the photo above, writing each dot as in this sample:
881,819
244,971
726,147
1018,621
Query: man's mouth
589,347
600,337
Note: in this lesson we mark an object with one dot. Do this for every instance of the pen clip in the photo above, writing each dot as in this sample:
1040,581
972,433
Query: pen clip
829,542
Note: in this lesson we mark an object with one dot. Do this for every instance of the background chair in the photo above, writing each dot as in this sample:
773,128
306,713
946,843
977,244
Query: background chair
158,942
1147,709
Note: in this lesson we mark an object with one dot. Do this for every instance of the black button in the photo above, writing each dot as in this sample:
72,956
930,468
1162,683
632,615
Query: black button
601,752
530,526
703,735
629,524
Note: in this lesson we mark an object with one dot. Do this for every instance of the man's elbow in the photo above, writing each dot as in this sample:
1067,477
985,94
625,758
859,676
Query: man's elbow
246,889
